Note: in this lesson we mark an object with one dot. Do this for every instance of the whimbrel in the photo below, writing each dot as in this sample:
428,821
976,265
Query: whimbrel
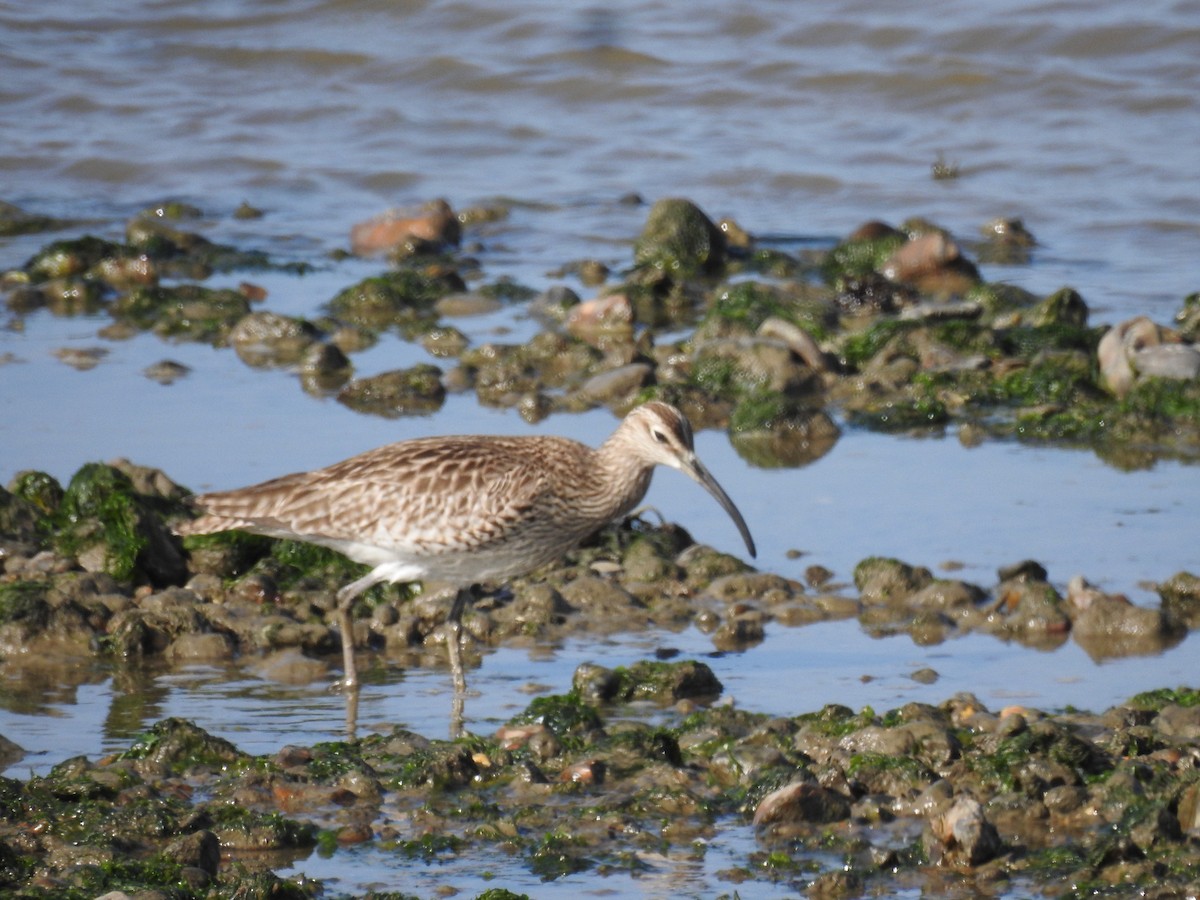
463,510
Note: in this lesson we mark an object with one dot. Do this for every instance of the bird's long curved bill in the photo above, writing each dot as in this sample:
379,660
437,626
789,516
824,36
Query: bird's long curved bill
696,470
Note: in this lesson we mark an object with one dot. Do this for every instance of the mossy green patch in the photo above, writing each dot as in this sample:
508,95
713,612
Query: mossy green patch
187,311
429,847
24,602
663,681
680,240
860,257
65,258
745,305
897,414
401,298
1157,699
272,830
568,716
38,489
557,854
835,720
100,502
860,346
180,745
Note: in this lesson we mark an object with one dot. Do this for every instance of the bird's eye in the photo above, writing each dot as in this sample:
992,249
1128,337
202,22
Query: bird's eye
659,436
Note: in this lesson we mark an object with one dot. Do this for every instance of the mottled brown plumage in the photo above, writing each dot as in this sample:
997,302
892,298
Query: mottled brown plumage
463,510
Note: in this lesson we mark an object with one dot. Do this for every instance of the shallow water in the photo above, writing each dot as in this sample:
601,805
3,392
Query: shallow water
798,120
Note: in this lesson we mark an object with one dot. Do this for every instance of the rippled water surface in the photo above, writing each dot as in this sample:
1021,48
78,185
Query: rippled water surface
800,121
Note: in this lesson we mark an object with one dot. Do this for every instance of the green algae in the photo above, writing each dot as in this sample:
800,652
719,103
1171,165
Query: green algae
568,716
1157,699
680,240
859,257
745,305
402,298
101,508
558,854
100,503
74,256
858,347
178,745
187,311
663,682
38,489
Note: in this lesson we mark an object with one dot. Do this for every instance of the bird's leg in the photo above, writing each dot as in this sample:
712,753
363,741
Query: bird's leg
352,714
454,639
346,626
345,600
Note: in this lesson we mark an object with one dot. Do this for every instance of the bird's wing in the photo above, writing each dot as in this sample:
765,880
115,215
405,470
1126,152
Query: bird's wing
435,494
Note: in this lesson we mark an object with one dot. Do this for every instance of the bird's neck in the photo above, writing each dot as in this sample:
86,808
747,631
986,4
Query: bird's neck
621,478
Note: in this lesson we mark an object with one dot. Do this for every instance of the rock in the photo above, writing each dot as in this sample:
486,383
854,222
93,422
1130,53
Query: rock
290,666
1026,570
445,342
1108,626
200,850
1029,610
461,305
324,368
166,371
601,602
81,358
933,263
965,310
1138,346
10,753
660,682
1179,721
554,304
1189,809
400,392
802,801
1006,241
799,341
200,647
1179,361
680,240
401,298
1181,597
764,587
1064,307
433,225
113,527
740,631
957,599
771,430
263,339
602,321
618,386
888,581
757,364
962,835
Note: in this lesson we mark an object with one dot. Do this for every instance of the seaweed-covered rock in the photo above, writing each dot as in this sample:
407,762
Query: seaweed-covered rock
271,339
187,311
1181,597
413,391
1109,626
680,240
888,581
402,298
111,526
